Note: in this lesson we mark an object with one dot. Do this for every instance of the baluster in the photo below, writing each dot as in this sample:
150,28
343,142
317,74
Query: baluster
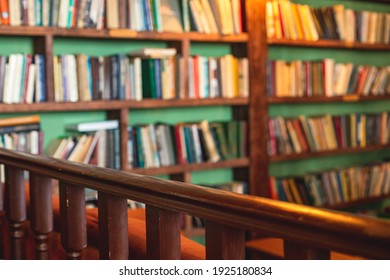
162,234
41,213
113,236
294,251
15,209
73,220
224,242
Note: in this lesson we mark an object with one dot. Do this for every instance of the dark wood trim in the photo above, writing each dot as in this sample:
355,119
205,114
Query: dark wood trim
329,44
292,157
118,104
258,109
126,34
358,202
324,99
175,169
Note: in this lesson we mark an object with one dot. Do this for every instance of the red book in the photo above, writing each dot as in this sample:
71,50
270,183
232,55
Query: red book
196,76
4,12
179,150
281,20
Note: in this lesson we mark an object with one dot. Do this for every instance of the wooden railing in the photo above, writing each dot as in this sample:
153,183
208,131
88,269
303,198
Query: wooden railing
308,232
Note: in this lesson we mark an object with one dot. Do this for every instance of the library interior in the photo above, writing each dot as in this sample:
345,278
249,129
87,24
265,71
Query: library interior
194,129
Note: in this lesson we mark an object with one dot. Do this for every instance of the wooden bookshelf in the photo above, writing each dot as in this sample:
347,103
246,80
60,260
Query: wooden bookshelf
356,203
119,104
125,34
324,99
301,156
329,44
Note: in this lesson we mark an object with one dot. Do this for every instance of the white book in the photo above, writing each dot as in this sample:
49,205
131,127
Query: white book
10,70
16,96
72,78
15,13
236,11
46,12
94,11
112,14
196,16
63,14
191,85
93,126
154,52
209,15
31,84
134,15
31,13
100,14
34,142
138,78
213,80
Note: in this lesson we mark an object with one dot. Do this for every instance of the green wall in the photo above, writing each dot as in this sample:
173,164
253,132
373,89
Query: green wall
377,58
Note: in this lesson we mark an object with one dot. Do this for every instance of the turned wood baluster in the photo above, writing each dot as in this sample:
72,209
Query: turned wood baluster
162,234
15,209
73,220
41,213
294,251
224,242
113,236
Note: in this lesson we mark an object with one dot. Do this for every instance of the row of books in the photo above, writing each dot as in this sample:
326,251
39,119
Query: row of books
95,143
22,78
334,187
208,16
313,134
132,77
325,78
296,21
157,145
22,134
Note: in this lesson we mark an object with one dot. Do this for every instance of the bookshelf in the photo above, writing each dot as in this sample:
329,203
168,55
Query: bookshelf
51,41
252,43
289,49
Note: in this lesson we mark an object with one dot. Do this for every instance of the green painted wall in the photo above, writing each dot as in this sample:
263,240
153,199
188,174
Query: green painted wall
378,58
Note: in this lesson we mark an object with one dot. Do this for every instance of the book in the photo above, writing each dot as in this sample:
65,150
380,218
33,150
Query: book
153,52
93,126
171,16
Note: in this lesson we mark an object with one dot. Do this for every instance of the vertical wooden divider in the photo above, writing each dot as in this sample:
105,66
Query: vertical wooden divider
73,220
41,210
122,115
258,106
162,234
294,251
15,209
224,242
113,236
44,45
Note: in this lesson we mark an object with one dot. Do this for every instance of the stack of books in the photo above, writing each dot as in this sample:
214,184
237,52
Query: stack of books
157,145
22,78
322,133
325,78
296,21
335,186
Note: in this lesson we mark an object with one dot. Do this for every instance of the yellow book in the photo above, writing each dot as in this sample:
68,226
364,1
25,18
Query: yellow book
344,185
309,23
295,191
270,20
297,22
278,25
235,77
353,130
56,79
331,132
14,121
363,134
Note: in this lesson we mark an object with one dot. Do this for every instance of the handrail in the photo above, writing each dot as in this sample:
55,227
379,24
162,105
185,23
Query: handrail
314,227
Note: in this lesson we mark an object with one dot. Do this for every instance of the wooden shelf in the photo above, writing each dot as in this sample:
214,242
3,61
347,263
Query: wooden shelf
292,157
119,104
333,44
243,162
324,99
357,202
120,34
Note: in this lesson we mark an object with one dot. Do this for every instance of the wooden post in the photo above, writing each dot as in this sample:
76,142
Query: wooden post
41,213
113,236
294,251
15,209
73,220
224,242
162,234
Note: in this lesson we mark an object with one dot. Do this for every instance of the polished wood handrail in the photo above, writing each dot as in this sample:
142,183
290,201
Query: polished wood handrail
322,229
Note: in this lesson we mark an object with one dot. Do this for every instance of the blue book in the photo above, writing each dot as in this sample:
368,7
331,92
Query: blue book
157,76
38,12
148,15
206,89
23,79
42,78
89,76
64,77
